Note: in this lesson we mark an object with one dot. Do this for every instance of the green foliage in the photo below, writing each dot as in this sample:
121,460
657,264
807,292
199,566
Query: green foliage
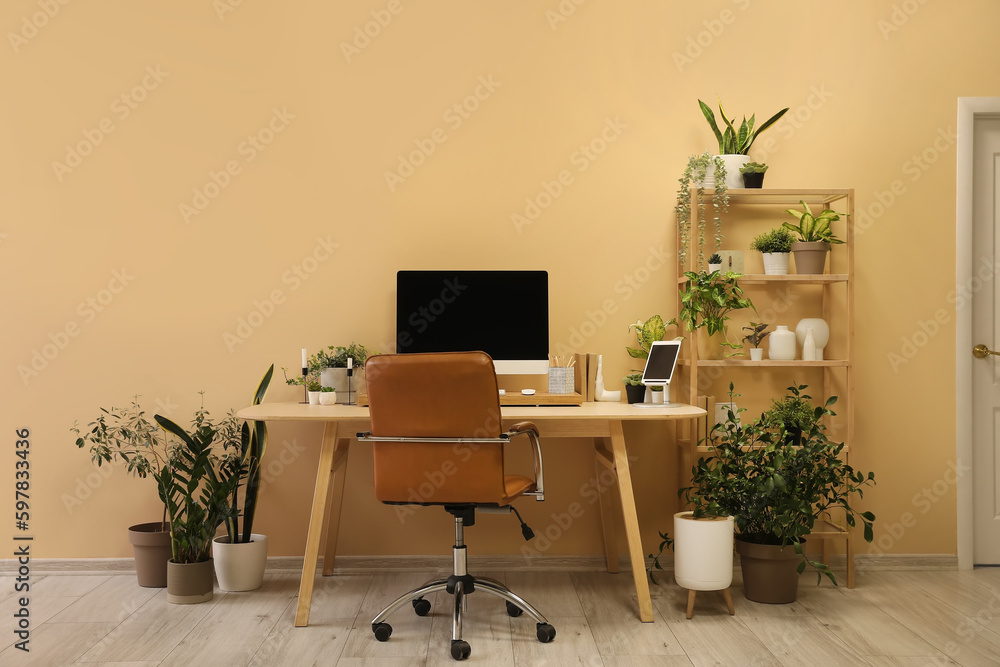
251,445
313,385
758,332
776,240
707,299
195,487
733,141
326,390
633,379
694,173
333,356
776,491
716,258
753,168
813,228
646,333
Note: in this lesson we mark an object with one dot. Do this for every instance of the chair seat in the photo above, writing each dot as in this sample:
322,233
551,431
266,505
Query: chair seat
515,485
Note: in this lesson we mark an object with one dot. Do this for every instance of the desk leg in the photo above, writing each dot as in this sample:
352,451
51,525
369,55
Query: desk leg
608,524
323,474
334,503
631,522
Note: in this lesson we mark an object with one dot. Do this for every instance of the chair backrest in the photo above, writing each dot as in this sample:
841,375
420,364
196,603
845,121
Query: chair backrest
436,395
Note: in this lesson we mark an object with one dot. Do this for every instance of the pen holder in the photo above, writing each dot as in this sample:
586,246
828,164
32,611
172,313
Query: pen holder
561,379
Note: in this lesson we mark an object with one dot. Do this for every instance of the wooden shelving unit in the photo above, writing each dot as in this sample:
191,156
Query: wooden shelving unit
840,317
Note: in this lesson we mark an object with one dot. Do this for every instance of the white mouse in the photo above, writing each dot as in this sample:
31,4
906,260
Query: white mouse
528,392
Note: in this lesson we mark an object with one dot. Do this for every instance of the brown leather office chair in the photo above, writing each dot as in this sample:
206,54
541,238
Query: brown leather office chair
437,440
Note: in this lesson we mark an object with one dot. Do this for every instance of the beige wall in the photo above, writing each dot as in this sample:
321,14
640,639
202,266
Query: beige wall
872,88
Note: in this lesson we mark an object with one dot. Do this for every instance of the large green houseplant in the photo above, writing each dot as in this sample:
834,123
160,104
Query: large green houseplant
776,490
733,141
707,299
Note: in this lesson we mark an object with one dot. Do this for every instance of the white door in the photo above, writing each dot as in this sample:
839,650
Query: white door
986,331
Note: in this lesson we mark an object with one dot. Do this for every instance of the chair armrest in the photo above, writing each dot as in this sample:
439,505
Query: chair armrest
529,429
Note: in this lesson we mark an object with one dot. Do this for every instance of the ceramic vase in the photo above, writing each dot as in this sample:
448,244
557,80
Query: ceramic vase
821,333
782,344
809,346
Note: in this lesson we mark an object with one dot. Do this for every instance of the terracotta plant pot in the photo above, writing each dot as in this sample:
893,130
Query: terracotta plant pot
810,258
240,567
769,572
151,547
190,583
635,393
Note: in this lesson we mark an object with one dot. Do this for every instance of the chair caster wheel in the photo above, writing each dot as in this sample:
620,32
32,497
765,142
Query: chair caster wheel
546,633
421,606
513,610
460,649
382,631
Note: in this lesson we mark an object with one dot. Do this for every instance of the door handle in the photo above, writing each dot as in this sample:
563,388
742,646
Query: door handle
981,352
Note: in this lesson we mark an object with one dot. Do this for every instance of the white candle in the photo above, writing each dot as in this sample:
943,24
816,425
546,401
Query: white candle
305,363
350,363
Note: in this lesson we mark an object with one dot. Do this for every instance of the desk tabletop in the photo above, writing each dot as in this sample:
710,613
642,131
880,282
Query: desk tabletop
587,411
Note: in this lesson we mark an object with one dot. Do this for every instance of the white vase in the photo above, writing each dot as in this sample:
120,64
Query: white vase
734,179
776,263
240,567
327,398
703,552
782,344
756,354
809,346
821,333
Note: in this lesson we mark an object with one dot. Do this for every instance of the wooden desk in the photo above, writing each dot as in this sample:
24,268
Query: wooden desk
600,421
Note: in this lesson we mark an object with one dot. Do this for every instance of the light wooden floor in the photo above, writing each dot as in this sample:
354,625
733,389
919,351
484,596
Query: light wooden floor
905,619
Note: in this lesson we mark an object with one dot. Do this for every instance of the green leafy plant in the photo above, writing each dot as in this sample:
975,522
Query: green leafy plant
326,390
734,141
758,332
333,356
633,379
313,385
776,240
249,449
793,414
707,299
197,484
753,168
813,228
646,333
699,166
775,491
716,258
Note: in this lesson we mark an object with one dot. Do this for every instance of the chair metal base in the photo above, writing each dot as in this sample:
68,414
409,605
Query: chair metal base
461,585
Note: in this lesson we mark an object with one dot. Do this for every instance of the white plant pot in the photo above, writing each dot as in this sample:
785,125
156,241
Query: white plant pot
703,552
756,354
776,263
327,398
734,179
240,567
657,396
714,267
781,345
314,397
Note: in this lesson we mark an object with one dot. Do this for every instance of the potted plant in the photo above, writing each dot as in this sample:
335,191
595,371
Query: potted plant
124,434
240,556
758,332
646,333
734,144
753,174
775,247
314,388
635,390
332,367
794,414
327,396
702,171
715,262
706,300
776,493
815,237
196,489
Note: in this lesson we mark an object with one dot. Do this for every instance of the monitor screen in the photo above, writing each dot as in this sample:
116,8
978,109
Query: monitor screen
503,313
661,362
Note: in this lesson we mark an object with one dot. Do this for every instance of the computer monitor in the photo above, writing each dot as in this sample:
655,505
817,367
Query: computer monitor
660,365
503,313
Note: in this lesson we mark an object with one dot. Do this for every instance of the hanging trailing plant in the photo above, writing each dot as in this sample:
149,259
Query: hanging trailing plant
694,176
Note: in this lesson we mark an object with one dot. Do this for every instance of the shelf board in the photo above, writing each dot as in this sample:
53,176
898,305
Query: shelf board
790,196
815,279
771,363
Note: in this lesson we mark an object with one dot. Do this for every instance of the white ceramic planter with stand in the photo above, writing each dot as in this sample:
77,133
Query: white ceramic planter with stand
240,567
703,555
